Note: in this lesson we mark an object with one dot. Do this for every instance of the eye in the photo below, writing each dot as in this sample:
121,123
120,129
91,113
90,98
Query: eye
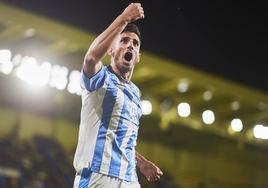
135,42
125,40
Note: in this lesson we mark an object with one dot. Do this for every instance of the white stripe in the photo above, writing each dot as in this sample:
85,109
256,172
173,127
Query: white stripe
113,125
76,181
124,159
89,125
134,173
93,140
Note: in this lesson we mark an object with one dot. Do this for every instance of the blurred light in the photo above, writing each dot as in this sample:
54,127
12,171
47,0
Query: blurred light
207,95
58,78
208,117
44,73
183,85
260,131
6,65
33,74
146,107
262,106
166,104
27,71
237,125
29,32
184,109
74,83
16,60
24,71
235,105
7,68
5,55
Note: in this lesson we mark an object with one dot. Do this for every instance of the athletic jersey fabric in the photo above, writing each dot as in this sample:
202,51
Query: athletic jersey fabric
109,124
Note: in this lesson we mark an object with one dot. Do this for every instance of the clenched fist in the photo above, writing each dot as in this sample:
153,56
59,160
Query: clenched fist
133,12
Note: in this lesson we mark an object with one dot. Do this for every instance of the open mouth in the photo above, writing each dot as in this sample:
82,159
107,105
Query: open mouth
128,56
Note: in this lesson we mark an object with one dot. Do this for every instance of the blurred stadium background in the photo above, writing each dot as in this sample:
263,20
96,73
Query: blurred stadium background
203,131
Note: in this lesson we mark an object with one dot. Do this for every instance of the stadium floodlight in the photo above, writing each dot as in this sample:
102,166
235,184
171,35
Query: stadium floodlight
30,32
260,131
7,68
26,70
146,107
236,125
74,83
184,109
44,73
208,117
33,74
207,95
183,85
235,105
6,65
58,77
16,60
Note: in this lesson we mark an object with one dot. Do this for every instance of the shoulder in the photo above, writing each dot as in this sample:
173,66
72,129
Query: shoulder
96,81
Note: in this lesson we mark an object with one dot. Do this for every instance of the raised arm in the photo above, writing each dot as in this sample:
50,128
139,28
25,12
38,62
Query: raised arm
147,168
101,45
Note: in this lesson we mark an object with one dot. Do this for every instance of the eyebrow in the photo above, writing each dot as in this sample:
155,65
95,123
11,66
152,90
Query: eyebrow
126,37
135,40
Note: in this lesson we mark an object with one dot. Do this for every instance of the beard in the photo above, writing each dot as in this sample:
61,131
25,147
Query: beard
124,67
125,60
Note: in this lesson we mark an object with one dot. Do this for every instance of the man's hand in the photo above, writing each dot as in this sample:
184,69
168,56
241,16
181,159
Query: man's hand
147,168
133,12
150,171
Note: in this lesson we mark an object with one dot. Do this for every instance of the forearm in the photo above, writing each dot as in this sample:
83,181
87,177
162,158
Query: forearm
140,159
104,41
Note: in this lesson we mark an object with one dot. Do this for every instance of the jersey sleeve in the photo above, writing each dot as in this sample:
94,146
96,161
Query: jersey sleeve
95,82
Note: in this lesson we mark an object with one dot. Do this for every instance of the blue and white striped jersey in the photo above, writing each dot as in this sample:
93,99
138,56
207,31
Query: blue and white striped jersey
109,125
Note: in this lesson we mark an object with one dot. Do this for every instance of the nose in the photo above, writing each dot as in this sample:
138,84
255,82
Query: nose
130,46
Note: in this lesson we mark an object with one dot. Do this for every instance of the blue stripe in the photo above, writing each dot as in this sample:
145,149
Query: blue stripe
131,156
107,106
94,82
119,136
85,178
128,94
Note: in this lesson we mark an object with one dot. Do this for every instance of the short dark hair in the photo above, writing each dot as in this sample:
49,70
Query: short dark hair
133,28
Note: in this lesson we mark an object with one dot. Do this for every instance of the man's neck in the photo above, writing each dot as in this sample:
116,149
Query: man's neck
123,76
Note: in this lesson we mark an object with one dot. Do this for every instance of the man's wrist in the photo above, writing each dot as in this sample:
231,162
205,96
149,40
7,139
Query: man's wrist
125,19
140,160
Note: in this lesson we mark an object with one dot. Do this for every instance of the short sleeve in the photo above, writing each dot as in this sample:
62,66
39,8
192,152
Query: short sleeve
95,82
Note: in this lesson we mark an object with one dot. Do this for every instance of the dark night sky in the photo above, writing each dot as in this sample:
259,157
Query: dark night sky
225,38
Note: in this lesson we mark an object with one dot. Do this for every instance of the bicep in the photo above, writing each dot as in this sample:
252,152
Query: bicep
90,67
